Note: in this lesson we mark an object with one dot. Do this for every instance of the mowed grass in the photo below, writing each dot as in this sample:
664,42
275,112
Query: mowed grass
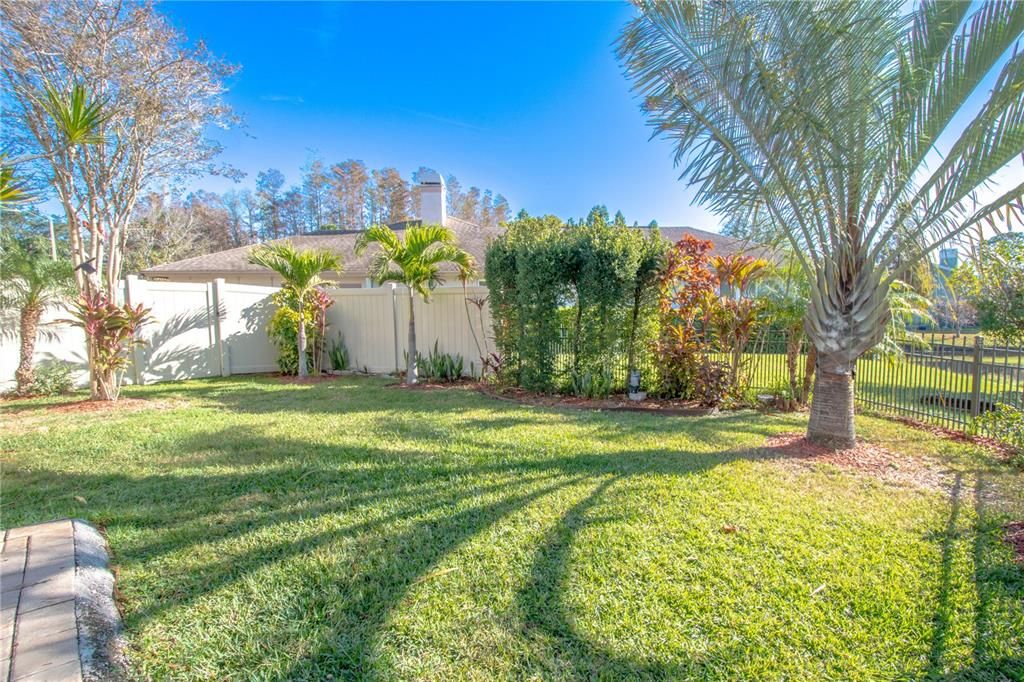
355,530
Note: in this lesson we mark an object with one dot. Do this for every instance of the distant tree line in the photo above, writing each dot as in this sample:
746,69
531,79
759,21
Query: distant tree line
345,196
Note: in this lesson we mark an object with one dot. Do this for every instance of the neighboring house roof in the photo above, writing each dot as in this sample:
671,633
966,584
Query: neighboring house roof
472,237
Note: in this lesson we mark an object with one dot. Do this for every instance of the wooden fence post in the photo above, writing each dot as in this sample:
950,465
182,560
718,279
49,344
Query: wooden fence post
134,289
976,377
219,347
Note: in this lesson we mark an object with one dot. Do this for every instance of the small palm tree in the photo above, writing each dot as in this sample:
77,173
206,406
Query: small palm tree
31,282
414,262
300,272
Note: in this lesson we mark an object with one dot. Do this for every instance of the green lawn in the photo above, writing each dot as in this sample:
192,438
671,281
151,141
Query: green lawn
268,530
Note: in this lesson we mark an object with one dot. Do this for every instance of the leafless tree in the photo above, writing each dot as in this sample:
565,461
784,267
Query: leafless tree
159,96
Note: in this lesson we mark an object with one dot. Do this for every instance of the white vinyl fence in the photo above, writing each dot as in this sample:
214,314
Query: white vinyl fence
219,329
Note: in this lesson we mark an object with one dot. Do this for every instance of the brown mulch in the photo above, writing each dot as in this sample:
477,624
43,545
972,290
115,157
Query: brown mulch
119,405
35,418
1015,538
612,403
423,385
292,379
863,458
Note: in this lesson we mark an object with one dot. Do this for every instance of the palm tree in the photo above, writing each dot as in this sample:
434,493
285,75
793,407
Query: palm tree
300,272
846,122
79,120
31,282
414,262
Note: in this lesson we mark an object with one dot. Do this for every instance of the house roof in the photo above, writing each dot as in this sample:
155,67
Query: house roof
472,237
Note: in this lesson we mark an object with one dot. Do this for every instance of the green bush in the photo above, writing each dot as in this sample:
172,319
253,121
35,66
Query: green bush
52,378
584,291
284,331
1005,424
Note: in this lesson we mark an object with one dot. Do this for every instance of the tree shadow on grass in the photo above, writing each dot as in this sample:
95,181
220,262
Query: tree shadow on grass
548,621
997,582
382,518
182,537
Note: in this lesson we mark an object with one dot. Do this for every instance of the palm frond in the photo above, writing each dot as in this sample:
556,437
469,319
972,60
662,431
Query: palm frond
78,118
13,190
382,235
414,261
299,270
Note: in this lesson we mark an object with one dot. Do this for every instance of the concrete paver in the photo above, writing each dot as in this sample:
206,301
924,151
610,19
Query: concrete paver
38,626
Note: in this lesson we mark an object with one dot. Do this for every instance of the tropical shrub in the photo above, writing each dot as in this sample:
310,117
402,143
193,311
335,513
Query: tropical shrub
301,274
111,331
686,281
733,316
439,366
1005,424
712,383
338,354
283,329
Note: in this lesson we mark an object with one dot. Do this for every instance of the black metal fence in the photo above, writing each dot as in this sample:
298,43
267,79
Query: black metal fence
764,362
945,380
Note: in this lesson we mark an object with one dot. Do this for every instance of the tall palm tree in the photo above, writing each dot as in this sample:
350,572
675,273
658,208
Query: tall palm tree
300,272
856,125
416,263
30,283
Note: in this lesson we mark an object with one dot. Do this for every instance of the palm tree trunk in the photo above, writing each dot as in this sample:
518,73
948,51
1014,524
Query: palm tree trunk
25,375
831,422
810,363
302,339
410,363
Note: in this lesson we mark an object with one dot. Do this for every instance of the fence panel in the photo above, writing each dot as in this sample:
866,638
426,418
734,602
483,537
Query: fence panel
945,381
245,311
179,344
365,319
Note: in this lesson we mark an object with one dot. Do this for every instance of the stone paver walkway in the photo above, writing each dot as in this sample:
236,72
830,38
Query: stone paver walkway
38,629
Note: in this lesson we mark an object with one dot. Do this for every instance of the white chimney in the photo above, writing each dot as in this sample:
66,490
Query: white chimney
433,199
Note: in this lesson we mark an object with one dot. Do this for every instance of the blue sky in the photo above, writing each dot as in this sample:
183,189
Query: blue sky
524,98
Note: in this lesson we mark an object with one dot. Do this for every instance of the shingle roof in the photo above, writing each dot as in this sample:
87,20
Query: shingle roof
472,237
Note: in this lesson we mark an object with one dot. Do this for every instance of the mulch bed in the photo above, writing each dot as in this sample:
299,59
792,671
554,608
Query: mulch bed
1015,538
34,417
863,458
292,379
424,385
119,405
614,403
